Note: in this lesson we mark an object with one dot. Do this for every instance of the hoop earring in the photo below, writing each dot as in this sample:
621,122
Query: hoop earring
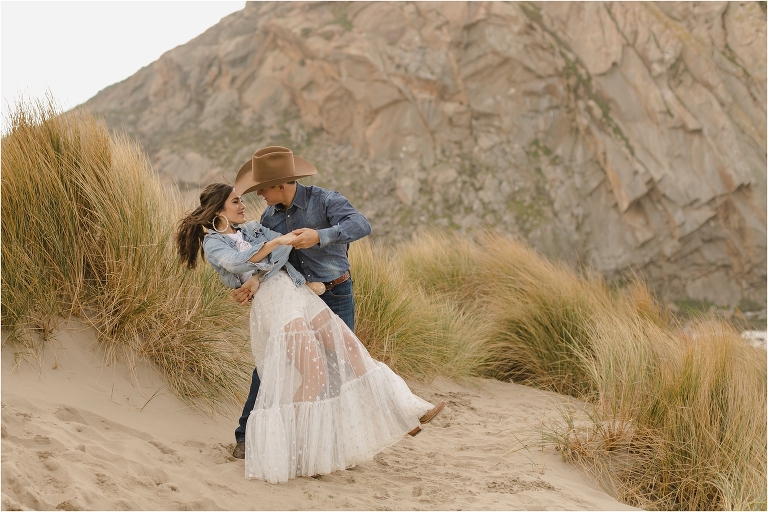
213,224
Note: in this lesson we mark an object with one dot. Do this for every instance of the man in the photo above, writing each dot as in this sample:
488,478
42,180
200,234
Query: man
325,222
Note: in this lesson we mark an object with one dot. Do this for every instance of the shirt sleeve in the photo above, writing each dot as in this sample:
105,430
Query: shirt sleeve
228,258
229,279
269,233
277,259
347,224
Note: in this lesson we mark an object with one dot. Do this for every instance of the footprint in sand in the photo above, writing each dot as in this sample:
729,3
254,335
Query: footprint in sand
167,450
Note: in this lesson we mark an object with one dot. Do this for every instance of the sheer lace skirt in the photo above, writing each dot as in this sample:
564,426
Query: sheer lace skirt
324,404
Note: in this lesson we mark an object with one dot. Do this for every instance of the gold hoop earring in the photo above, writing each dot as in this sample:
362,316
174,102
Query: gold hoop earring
213,223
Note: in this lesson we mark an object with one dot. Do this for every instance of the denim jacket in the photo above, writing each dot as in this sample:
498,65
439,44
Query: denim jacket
337,222
221,252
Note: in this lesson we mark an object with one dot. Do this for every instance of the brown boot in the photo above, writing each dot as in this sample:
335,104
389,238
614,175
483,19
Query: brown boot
239,451
429,416
432,413
415,431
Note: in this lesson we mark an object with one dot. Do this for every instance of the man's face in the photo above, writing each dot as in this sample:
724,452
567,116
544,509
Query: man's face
272,195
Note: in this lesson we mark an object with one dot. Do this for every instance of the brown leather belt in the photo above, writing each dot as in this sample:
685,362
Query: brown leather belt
329,285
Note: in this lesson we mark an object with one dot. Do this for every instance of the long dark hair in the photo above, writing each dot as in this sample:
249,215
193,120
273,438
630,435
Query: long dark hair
190,232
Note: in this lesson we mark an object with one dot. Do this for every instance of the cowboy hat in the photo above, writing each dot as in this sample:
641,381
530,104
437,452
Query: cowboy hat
271,166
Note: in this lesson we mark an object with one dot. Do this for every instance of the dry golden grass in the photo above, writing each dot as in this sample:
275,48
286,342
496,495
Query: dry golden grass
414,334
674,418
87,231
677,418
537,311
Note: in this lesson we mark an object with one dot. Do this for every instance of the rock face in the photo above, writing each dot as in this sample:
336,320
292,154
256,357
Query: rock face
625,136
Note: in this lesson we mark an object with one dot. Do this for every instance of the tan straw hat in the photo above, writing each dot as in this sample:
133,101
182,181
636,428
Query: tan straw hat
269,167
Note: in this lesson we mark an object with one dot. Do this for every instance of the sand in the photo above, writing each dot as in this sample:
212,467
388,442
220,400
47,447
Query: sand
80,434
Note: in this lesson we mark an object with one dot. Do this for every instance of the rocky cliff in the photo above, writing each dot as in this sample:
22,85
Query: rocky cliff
630,137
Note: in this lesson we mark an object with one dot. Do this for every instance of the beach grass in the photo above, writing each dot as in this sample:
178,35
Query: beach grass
673,416
537,311
87,231
676,420
416,334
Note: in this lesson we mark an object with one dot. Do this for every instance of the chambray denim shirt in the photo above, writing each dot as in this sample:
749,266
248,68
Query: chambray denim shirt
336,221
222,253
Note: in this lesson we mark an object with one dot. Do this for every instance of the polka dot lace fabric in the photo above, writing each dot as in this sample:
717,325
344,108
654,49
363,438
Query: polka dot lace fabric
324,404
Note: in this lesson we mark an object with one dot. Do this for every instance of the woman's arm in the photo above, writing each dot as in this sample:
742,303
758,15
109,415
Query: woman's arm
244,293
270,246
221,254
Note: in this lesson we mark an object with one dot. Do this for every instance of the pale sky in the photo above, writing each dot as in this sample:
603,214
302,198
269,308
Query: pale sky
75,49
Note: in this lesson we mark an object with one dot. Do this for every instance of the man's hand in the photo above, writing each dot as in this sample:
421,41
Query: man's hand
306,237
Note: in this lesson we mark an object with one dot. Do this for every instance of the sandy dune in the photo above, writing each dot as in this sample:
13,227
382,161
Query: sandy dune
78,434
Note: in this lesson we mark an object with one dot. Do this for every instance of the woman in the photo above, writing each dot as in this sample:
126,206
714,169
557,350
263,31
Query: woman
324,404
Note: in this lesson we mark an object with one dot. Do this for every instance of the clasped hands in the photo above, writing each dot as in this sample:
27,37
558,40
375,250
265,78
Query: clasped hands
299,238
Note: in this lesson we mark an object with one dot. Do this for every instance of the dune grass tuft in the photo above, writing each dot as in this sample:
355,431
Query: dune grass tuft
87,231
677,417
537,311
417,335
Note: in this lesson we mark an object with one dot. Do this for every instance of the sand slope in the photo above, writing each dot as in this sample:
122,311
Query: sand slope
78,434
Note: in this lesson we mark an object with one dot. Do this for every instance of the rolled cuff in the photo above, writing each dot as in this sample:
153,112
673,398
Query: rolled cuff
229,280
328,235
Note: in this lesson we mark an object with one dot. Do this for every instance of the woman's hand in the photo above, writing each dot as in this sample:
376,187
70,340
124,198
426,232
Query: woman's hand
252,284
286,239
242,295
246,292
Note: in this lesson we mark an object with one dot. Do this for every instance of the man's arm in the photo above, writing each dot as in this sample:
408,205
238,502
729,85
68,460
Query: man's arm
347,225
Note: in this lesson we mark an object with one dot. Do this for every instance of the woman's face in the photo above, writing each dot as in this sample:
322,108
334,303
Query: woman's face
234,209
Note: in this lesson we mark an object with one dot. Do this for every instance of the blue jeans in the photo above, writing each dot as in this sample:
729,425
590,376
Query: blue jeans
341,302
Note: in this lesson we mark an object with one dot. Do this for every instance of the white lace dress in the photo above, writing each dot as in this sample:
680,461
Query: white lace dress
324,404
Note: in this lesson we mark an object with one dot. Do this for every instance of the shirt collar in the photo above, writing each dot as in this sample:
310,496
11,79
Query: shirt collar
299,200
